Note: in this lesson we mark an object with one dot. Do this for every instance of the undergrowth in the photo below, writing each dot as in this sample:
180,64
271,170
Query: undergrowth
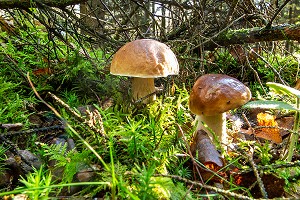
142,140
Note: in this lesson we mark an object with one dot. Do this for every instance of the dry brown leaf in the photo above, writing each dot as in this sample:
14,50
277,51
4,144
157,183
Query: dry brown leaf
286,123
269,133
42,71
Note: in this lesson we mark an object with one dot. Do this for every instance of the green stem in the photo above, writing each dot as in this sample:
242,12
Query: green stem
113,177
294,135
22,190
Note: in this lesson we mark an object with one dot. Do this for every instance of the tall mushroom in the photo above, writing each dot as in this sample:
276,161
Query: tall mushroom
212,95
144,60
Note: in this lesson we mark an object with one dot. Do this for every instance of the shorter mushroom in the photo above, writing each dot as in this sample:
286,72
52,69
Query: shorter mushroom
144,60
212,95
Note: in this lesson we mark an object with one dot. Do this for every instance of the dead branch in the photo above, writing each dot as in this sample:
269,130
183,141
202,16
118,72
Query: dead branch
79,117
34,130
277,12
196,183
253,35
257,175
271,167
7,4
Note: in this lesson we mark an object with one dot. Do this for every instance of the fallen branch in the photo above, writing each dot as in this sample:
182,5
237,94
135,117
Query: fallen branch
257,175
34,130
79,117
25,4
253,35
67,124
271,167
196,183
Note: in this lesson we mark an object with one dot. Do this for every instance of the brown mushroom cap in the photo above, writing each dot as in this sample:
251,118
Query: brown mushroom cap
213,94
144,58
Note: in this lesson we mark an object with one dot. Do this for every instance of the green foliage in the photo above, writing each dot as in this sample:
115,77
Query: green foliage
144,182
71,98
283,89
286,65
270,104
263,152
2,158
291,177
35,180
71,161
13,102
143,140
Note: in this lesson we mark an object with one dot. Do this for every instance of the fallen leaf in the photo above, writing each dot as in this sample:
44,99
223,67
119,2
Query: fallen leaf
269,133
286,123
42,71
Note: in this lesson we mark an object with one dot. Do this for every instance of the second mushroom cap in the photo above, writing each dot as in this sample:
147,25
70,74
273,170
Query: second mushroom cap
217,93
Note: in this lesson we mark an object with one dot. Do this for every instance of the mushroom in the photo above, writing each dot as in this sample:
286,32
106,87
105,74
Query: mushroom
144,60
212,95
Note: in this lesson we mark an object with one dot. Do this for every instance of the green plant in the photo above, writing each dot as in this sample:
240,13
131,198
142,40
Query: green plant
2,158
12,107
33,182
290,175
271,104
286,65
144,183
263,152
71,161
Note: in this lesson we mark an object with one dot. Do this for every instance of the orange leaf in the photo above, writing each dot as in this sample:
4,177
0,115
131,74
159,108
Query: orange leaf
42,71
268,133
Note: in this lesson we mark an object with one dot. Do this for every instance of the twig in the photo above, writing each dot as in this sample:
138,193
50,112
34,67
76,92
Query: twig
255,72
158,90
270,66
196,183
189,151
271,167
79,117
35,130
258,178
67,124
276,13
248,123
14,149
219,33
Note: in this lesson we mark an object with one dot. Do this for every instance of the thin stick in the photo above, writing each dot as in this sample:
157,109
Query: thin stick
276,13
258,178
196,183
34,130
67,124
190,153
270,66
271,167
248,123
79,117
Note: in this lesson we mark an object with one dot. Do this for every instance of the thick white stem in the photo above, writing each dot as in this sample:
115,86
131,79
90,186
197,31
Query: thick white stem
141,87
217,124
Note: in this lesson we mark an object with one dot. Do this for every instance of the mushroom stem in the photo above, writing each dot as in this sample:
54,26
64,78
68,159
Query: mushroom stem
217,123
141,87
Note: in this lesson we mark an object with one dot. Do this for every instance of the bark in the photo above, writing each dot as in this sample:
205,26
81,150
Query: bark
243,36
6,4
